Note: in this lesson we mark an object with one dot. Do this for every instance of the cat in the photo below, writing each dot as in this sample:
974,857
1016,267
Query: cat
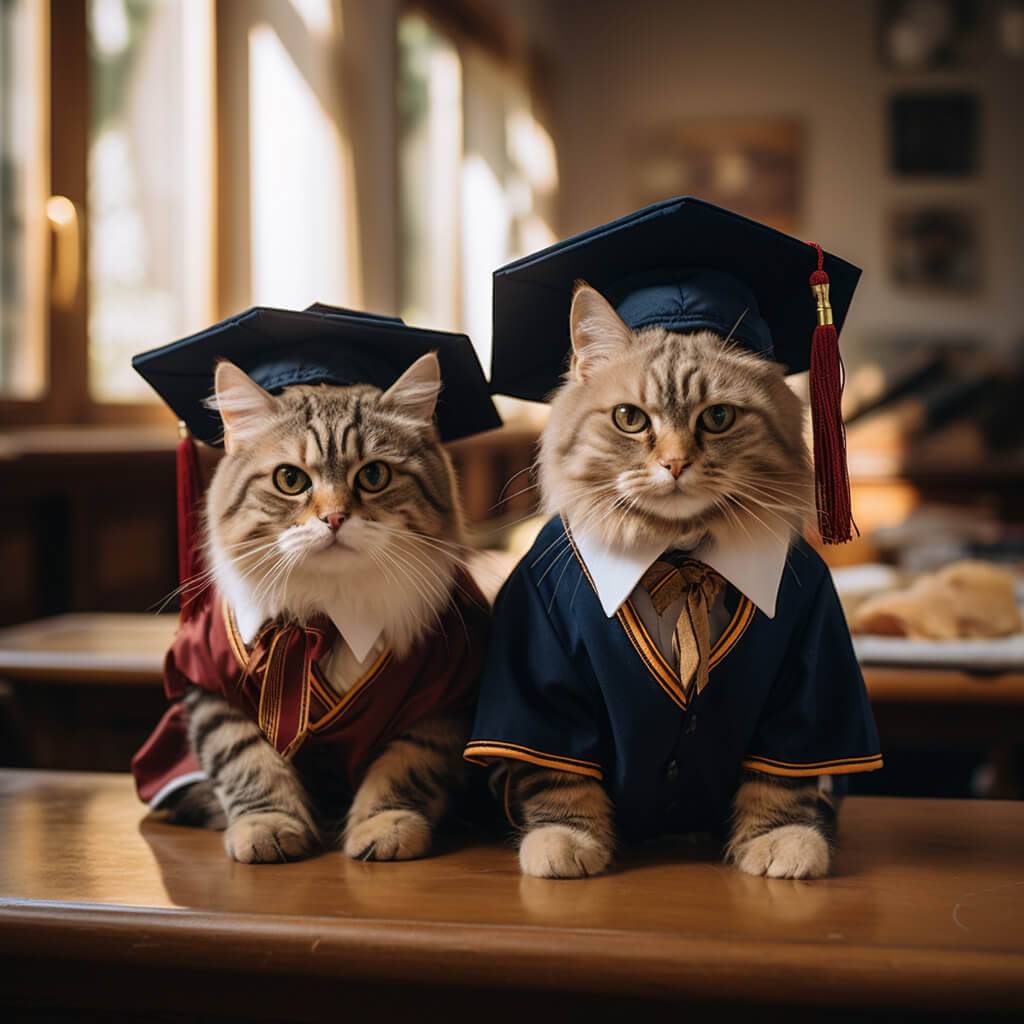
625,493
335,501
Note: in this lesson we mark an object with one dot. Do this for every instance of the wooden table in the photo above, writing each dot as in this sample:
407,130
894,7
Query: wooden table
116,650
101,909
128,650
86,688
949,709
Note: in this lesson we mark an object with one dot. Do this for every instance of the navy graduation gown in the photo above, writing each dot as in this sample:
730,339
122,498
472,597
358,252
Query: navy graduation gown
566,687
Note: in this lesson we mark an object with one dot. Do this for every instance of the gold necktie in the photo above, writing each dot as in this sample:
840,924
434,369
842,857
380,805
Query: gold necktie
691,642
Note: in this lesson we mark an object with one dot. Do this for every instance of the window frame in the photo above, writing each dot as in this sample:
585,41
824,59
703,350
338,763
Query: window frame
65,399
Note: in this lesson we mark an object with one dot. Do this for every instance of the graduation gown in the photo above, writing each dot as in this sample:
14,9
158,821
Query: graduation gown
566,687
277,680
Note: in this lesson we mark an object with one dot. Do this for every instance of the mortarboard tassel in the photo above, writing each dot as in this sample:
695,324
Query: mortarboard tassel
190,489
831,476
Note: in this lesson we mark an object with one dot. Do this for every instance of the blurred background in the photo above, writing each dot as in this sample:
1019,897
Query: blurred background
166,163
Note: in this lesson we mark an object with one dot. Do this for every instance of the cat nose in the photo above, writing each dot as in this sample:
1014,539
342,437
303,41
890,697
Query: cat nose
334,520
675,466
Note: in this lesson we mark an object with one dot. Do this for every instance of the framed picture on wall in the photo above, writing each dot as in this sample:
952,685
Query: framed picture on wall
924,35
933,134
935,248
751,165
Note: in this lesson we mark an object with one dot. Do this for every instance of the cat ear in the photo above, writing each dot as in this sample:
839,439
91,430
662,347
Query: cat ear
597,331
243,405
415,393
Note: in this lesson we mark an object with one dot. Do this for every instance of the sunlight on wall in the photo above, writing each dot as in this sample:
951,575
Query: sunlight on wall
316,15
300,178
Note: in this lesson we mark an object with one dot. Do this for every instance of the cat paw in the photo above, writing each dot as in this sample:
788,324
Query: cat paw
558,851
268,838
389,835
792,851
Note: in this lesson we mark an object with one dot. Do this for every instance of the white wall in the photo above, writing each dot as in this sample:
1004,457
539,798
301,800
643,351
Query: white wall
624,67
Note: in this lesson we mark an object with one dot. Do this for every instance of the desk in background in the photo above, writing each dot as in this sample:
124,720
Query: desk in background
88,691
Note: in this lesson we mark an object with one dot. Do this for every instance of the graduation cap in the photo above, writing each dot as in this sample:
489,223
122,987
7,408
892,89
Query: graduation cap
685,265
320,345
278,348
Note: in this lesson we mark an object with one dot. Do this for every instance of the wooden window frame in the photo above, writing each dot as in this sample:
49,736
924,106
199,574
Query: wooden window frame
66,399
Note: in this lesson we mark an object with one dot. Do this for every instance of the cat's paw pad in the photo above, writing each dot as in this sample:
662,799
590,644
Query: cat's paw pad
268,838
389,835
792,851
558,851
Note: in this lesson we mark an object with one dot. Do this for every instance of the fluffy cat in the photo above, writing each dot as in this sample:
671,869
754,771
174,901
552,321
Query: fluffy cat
336,501
676,482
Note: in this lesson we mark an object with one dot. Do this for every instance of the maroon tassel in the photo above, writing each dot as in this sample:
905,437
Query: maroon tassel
190,490
831,476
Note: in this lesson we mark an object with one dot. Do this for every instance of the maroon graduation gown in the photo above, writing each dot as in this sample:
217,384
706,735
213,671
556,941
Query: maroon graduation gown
331,738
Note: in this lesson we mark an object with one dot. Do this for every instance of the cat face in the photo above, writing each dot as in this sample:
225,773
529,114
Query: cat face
658,434
324,481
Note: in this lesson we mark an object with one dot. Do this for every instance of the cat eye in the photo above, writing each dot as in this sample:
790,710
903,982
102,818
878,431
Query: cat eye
291,480
629,419
374,476
717,419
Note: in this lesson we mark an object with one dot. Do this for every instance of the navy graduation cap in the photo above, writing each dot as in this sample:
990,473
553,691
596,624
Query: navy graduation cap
685,265
322,344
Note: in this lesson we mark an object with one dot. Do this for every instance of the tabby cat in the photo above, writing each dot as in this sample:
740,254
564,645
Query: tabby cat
337,501
617,486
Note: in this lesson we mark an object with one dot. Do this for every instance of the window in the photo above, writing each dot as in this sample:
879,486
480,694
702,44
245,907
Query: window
478,177
299,165
106,199
169,162
23,231
150,183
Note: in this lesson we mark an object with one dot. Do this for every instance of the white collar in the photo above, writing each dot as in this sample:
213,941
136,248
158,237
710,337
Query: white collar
360,631
752,561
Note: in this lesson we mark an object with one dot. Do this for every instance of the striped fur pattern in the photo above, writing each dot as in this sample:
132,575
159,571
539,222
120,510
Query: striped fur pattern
407,791
329,536
676,481
267,813
564,821
782,828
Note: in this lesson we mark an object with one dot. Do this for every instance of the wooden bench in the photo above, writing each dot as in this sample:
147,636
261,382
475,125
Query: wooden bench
104,909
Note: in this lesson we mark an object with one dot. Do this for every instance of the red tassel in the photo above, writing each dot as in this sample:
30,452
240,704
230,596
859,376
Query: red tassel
190,490
831,476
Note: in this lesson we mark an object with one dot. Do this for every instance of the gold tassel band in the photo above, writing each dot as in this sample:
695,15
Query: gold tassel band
820,292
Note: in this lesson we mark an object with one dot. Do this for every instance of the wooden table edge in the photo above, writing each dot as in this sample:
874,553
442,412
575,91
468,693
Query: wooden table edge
599,962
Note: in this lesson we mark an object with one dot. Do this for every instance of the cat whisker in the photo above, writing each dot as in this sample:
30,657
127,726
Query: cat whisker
419,585
512,497
501,493
755,516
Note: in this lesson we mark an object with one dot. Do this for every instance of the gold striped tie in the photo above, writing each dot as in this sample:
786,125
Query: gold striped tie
691,642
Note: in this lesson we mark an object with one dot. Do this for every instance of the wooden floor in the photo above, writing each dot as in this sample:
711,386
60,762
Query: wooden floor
926,911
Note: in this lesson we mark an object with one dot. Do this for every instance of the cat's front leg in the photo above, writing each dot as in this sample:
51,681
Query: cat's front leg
268,815
407,791
566,822
781,828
